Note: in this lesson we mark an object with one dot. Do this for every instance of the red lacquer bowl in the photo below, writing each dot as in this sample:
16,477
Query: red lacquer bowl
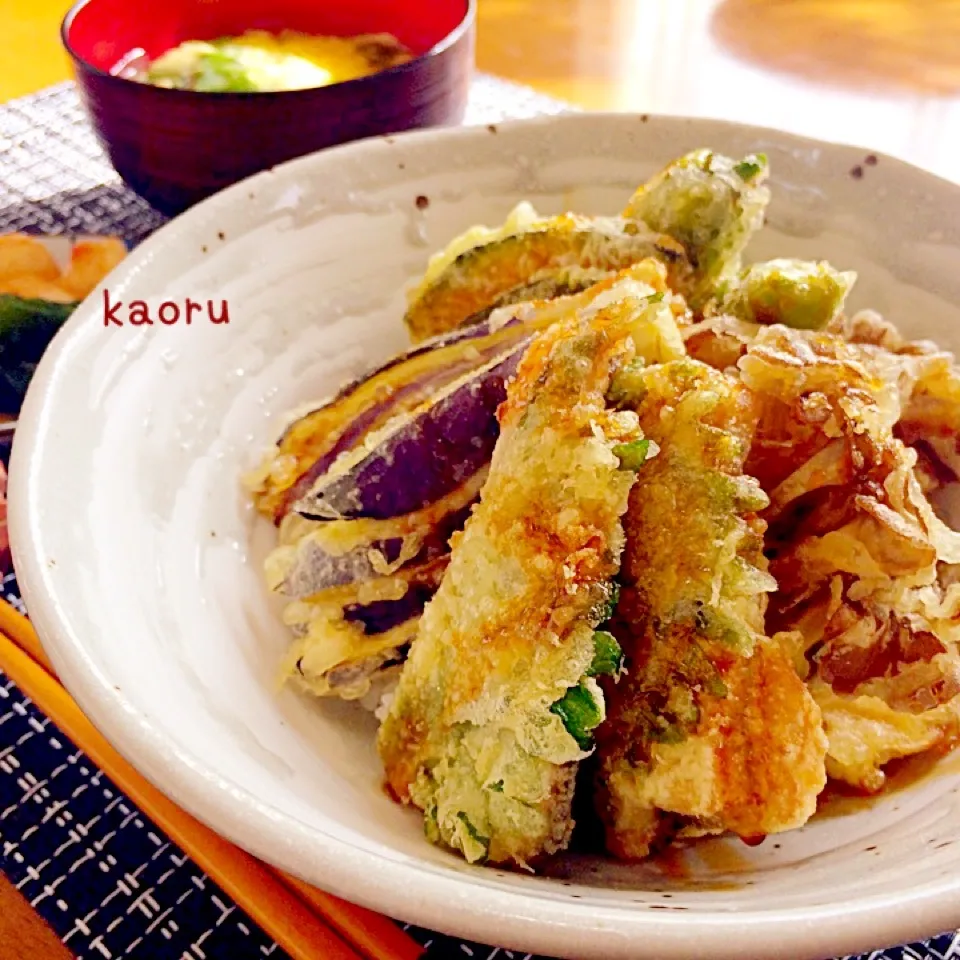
175,147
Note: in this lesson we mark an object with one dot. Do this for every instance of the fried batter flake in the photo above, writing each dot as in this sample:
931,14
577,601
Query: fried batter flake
855,545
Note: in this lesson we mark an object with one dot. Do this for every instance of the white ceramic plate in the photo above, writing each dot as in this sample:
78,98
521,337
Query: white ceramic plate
140,558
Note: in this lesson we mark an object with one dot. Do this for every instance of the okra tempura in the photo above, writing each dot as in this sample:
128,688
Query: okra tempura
499,698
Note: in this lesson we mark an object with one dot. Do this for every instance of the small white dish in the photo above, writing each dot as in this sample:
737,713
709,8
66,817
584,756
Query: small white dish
140,557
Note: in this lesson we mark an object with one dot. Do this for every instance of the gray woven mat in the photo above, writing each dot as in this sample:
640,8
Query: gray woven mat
54,178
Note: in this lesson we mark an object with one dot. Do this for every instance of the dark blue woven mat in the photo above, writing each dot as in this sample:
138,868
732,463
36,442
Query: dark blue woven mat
107,880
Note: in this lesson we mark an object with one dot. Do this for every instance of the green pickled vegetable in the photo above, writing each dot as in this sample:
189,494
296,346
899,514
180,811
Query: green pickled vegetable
26,328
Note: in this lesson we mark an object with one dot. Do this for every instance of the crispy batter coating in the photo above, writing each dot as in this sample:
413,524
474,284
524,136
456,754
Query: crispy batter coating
712,729
713,206
719,340
473,736
855,547
696,216
928,379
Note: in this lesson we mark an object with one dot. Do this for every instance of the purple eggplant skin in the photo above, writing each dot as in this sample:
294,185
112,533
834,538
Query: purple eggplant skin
315,570
383,615
467,332
423,458
314,441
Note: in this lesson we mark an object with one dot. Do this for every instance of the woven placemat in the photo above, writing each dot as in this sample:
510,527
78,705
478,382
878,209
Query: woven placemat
108,881
54,178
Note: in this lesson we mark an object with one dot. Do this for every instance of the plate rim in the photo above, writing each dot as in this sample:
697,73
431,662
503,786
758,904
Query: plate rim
422,893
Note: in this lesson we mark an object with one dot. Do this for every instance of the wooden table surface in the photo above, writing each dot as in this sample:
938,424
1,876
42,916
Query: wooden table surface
884,74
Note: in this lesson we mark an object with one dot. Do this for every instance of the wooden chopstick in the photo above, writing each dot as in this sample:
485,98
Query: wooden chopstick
296,915
20,630
373,934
